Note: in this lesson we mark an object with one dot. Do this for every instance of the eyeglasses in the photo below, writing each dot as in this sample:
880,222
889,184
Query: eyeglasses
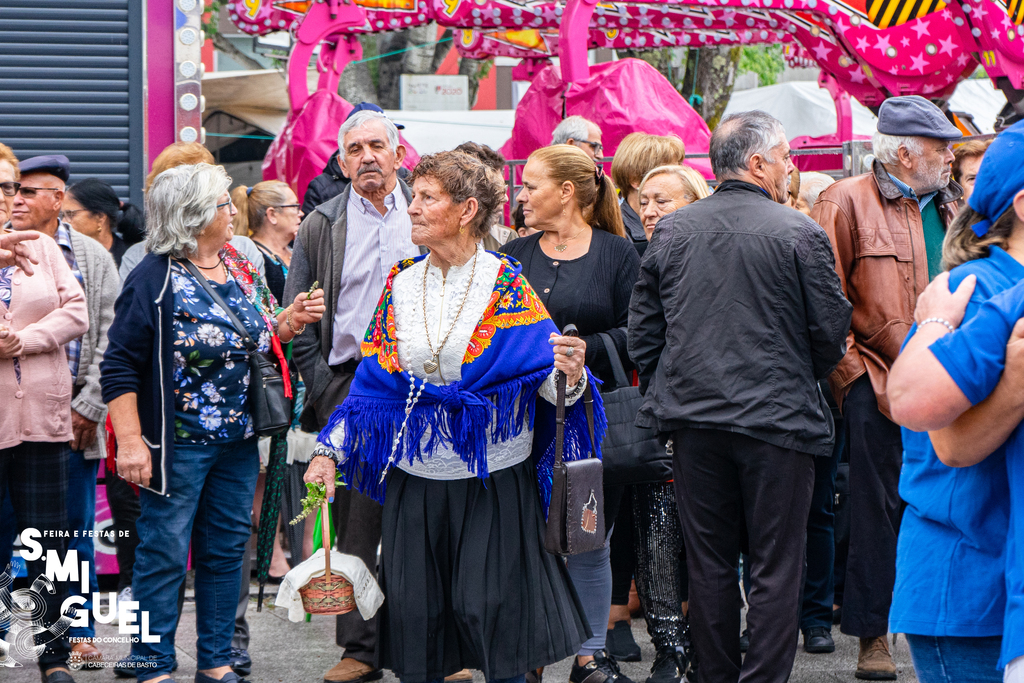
12,188
227,203
287,206
70,214
596,146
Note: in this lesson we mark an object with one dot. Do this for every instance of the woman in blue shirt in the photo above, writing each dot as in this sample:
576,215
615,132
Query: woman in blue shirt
950,592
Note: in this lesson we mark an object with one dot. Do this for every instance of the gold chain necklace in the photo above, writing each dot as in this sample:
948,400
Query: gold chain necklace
564,245
434,363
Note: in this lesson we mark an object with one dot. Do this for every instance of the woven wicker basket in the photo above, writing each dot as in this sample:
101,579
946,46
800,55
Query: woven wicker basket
330,593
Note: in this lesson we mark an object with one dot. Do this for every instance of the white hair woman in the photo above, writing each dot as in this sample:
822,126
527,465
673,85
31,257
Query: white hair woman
667,188
175,377
452,396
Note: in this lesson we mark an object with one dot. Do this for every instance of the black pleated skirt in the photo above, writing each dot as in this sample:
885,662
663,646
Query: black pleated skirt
467,582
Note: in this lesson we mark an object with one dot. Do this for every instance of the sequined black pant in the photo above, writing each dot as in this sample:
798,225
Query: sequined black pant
661,577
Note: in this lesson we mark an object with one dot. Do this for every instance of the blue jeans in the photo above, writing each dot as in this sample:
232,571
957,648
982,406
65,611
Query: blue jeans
949,659
591,575
211,490
81,522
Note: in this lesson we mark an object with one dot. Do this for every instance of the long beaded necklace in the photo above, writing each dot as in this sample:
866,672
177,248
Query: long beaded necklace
434,363
410,403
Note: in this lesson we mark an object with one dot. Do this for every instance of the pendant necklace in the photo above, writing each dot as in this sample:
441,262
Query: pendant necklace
434,363
562,246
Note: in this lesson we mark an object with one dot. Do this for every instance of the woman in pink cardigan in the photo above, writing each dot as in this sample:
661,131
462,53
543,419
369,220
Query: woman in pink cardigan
39,313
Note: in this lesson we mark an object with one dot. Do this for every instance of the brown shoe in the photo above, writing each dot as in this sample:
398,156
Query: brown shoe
459,676
85,652
350,670
875,663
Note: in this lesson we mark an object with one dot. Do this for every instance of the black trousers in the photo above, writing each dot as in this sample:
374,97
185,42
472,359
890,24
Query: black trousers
724,480
124,511
819,576
35,477
357,522
876,454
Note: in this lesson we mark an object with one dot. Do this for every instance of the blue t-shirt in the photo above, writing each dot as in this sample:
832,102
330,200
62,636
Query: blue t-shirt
974,356
211,365
950,578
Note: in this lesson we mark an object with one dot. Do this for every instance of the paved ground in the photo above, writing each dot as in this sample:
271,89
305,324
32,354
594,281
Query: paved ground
284,652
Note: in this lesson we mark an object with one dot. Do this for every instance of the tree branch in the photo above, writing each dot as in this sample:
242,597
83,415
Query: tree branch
227,47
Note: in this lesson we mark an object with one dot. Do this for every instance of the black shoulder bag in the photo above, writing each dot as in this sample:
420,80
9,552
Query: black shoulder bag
631,454
270,409
576,514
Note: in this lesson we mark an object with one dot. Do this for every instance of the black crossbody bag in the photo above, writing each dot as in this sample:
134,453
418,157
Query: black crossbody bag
270,409
576,514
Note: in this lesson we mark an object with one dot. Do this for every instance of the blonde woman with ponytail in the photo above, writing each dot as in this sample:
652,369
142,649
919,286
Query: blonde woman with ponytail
583,268
269,213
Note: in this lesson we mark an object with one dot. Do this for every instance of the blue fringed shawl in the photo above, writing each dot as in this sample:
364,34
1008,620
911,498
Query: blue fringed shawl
506,361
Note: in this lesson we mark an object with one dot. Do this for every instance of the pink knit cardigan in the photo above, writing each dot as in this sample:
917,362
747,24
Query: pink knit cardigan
48,310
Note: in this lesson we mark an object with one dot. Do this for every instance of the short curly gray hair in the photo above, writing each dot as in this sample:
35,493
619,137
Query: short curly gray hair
180,203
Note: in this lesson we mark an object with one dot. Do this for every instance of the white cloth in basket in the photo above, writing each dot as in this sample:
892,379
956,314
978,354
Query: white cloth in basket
367,593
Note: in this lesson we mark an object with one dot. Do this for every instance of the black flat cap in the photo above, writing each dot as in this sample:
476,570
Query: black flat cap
54,164
914,115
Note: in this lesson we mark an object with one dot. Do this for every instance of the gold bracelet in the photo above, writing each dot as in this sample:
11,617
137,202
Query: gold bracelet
291,324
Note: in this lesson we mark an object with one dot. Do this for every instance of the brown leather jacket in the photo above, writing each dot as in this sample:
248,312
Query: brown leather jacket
878,241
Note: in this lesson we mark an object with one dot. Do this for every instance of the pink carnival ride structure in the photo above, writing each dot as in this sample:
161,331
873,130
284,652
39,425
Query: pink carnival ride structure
866,49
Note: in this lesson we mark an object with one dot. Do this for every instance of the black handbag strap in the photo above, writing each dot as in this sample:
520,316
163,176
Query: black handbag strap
588,404
618,371
250,345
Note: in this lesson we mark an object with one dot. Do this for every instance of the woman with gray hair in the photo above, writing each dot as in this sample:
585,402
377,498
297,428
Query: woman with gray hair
175,377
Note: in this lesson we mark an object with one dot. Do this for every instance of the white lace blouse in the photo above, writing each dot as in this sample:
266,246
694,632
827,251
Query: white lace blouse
443,300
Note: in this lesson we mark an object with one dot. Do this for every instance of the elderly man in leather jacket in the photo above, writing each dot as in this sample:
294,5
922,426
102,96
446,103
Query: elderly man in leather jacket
736,313
886,228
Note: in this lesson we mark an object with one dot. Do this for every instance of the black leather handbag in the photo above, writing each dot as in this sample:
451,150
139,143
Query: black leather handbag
269,408
630,454
576,515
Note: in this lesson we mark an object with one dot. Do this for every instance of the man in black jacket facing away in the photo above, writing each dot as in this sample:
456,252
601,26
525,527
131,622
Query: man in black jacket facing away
736,314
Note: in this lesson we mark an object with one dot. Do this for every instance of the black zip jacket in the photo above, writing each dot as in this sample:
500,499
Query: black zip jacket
737,313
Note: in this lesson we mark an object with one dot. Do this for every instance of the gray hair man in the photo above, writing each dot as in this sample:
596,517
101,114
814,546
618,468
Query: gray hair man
735,316
576,130
349,244
887,228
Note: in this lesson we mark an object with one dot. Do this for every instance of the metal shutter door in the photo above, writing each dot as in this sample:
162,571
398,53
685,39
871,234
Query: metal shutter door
71,77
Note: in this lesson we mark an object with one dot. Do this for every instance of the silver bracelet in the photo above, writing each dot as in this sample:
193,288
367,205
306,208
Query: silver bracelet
941,321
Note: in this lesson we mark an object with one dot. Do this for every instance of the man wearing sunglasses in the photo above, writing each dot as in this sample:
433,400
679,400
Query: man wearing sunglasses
576,130
38,199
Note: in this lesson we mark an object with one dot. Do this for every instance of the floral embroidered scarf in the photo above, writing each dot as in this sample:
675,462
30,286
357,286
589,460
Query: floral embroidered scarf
506,361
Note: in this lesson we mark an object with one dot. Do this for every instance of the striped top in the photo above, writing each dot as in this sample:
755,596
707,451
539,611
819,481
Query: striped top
373,243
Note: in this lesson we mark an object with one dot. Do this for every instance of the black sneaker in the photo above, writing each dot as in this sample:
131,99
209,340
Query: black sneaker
669,666
241,662
603,669
620,643
745,640
818,639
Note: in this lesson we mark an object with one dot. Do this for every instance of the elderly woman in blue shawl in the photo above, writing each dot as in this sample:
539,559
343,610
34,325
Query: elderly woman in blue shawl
450,424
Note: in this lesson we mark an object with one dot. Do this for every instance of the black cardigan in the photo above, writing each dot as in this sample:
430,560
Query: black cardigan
591,292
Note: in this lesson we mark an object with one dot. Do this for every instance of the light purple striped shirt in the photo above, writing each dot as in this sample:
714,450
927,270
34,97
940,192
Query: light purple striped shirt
373,243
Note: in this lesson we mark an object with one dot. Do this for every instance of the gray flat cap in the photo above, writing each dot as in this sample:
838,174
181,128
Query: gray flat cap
914,115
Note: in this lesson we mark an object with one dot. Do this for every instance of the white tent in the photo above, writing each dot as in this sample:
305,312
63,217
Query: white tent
260,98
806,109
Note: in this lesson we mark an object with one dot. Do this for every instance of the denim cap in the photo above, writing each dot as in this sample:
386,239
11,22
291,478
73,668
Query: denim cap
1000,177
54,164
913,115
370,106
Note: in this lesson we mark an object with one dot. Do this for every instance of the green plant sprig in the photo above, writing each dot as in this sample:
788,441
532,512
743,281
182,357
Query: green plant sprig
315,495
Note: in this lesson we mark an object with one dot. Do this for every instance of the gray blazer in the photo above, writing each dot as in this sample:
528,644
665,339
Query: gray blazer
319,255
102,285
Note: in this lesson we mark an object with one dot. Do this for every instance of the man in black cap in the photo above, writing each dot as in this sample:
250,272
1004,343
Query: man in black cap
887,228
332,181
